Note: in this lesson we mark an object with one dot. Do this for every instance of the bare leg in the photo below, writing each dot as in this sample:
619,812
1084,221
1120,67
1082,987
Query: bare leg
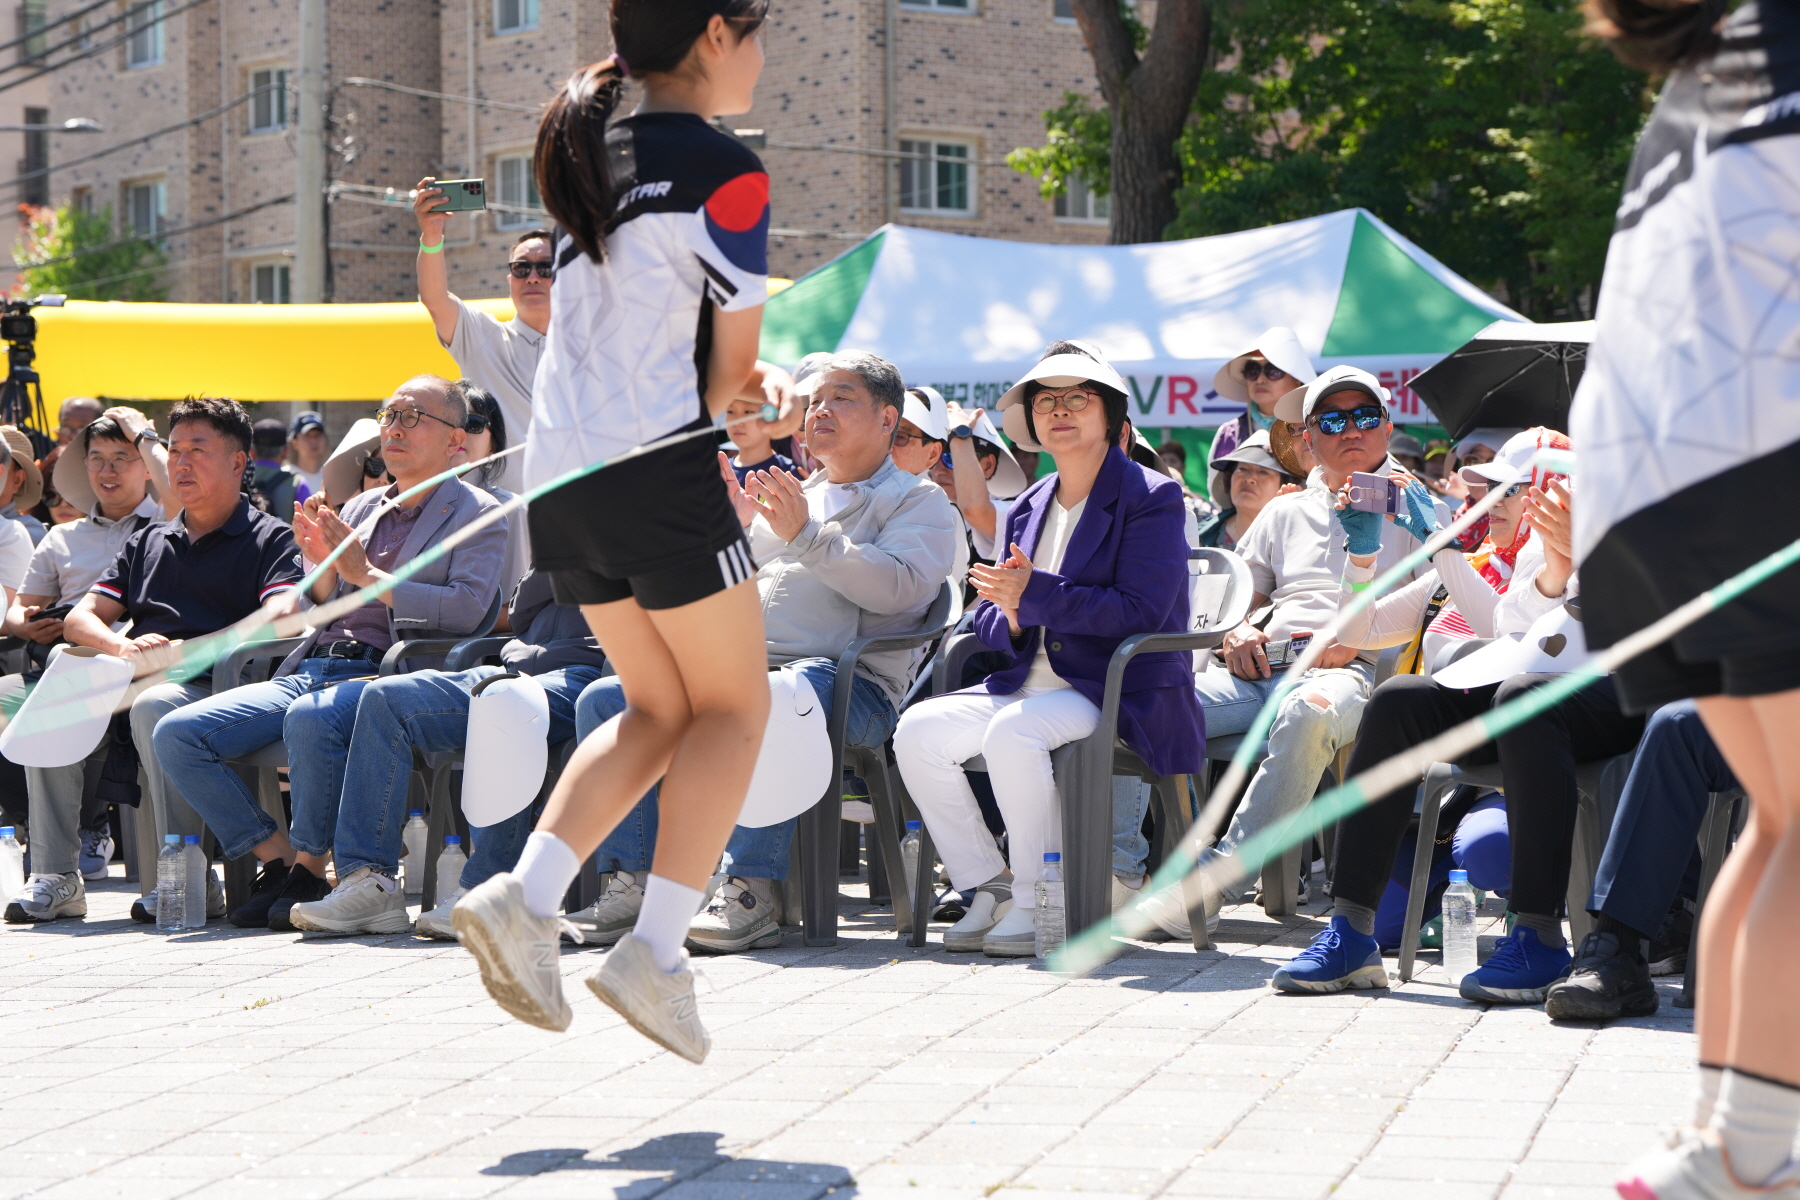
697,694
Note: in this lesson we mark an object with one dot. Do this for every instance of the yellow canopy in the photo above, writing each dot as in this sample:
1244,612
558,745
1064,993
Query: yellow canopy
244,351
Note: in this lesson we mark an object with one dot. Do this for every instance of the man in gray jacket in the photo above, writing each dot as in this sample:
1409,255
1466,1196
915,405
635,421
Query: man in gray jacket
860,549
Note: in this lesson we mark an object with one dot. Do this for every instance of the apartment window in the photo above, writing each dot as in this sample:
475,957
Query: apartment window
1063,10
144,207
269,284
144,35
956,6
513,16
36,189
934,177
269,107
1077,202
518,190
31,23
81,199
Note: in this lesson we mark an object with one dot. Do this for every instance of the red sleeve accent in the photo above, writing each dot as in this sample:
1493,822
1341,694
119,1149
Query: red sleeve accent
740,203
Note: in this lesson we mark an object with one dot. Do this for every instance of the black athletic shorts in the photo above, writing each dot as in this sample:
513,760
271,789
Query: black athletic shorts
658,529
1663,556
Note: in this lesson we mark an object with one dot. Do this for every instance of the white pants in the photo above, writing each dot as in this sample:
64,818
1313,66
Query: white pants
1015,734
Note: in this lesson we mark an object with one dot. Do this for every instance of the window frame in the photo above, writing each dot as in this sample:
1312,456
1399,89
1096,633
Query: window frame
1064,200
281,281
530,13
511,222
150,29
276,98
935,188
159,191
954,8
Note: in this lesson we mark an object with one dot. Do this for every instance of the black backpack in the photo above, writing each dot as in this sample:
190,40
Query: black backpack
277,484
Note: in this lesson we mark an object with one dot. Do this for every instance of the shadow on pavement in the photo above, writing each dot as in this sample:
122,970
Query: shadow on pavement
683,1157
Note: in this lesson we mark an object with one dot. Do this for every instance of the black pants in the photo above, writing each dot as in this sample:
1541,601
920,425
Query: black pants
1537,759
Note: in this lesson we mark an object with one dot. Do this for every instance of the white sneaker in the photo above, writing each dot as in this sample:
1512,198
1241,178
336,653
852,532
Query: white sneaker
435,923
519,953
1124,894
1013,936
47,897
364,902
741,917
614,914
993,900
1167,910
659,1004
215,896
1699,1169
96,852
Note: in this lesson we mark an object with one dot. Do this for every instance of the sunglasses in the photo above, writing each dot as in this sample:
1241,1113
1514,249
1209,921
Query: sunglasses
1366,416
904,439
1514,490
408,418
1255,369
522,269
1048,402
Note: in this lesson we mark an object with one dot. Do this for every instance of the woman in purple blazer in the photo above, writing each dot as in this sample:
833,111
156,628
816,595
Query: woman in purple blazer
1097,554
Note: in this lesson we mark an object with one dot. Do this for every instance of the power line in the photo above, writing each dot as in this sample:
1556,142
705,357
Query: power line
102,47
159,235
361,81
41,30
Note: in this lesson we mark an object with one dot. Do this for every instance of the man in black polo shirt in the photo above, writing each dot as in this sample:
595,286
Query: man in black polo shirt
216,563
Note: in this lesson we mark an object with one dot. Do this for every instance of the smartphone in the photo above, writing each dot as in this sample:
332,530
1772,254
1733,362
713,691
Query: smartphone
1282,652
1376,493
55,612
462,195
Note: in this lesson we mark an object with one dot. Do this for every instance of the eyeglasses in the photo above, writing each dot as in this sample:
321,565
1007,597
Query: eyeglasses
1256,368
1366,416
1073,401
904,439
408,418
522,269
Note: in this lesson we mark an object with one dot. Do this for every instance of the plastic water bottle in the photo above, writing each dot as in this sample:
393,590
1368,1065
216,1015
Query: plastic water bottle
193,864
1459,927
449,870
911,846
412,867
171,885
1049,917
12,863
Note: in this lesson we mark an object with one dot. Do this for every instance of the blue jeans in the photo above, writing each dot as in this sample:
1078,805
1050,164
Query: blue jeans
427,710
311,710
751,853
1479,846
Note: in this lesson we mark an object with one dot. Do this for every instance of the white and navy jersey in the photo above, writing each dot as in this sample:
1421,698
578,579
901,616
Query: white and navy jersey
625,360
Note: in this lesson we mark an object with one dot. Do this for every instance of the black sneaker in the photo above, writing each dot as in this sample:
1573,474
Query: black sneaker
143,909
1605,981
302,886
254,912
1669,948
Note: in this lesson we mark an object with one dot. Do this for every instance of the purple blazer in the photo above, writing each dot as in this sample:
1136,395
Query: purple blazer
1125,572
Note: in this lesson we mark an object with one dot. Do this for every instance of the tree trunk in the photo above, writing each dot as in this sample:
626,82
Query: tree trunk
1149,99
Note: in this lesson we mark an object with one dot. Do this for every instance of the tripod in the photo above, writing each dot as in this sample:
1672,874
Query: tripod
22,392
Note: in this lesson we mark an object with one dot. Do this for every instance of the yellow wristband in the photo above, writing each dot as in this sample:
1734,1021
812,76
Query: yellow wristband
424,249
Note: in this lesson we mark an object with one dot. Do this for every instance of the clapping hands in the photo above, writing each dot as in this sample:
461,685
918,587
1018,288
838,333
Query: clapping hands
1003,584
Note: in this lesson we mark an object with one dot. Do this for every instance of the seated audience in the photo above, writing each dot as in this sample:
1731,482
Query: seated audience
1095,554
1408,453
1296,556
23,484
216,563
429,711
487,436
273,479
1649,873
1252,477
76,413
861,548
311,703
308,448
920,445
71,839
1257,378
755,452
981,478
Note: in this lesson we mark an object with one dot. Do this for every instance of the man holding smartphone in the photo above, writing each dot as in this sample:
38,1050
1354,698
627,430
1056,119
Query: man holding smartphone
502,356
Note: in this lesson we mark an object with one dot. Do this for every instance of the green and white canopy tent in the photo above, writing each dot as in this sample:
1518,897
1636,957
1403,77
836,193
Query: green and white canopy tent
967,315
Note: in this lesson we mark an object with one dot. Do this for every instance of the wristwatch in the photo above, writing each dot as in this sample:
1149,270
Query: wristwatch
148,435
962,431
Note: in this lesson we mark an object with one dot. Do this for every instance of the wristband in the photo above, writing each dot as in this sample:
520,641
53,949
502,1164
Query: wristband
424,249
1360,586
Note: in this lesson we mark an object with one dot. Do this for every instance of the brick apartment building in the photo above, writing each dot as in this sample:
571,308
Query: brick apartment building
962,83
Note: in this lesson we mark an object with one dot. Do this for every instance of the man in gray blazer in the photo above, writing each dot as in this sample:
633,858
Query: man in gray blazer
311,703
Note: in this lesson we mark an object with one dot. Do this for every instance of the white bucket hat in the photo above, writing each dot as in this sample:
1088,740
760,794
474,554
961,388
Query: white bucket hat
1280,346
342,472
70,478
1058,370
794,764
507,749
926,409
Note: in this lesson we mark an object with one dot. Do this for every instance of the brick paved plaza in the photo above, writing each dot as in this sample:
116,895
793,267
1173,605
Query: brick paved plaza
232,1064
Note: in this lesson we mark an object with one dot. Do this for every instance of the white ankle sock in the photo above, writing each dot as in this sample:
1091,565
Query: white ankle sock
1707,1097
663,920
546,869
1757,1120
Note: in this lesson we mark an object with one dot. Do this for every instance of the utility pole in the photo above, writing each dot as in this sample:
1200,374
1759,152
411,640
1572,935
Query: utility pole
309,184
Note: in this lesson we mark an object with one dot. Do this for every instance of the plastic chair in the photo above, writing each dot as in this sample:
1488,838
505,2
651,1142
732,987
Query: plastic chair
1726,813
1598,784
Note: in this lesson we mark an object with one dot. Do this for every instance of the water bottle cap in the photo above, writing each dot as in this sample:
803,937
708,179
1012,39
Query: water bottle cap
1053,856
7,831
452,840
171,839
415,812
912,825
1459,877
192,839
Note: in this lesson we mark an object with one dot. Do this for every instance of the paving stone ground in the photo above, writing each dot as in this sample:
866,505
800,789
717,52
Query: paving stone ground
230,1064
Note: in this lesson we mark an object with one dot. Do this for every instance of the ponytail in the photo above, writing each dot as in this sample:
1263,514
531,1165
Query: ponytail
651,37
1656,35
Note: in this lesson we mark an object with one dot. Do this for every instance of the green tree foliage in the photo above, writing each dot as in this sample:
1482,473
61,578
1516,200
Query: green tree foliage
76,253
1489,131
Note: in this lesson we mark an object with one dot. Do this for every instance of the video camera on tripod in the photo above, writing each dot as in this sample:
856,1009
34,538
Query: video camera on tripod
22,394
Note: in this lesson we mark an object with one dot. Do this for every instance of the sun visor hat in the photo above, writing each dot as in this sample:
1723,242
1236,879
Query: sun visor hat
926,409
1008,479
795,761
343,471
1554,644
1255,451
24,458
67,714
507,748
1057,371
1337,379
1281,347
69,476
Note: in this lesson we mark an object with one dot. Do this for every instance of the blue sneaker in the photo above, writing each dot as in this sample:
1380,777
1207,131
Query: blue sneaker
1338,958
1520,971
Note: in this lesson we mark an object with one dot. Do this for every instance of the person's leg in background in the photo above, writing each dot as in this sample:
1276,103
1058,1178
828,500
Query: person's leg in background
624,854
1130,848
170,811
54,887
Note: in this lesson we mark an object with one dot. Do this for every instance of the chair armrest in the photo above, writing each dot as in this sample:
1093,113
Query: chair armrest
228,672
1146,643
956,654
407,648
471,651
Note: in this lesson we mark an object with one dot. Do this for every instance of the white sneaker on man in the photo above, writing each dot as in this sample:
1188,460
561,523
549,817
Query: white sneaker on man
614,914
1167,909
741,916
435,923
992,901
519,953
96,852
365,902
47,897
659,1004
1013,936
1124,894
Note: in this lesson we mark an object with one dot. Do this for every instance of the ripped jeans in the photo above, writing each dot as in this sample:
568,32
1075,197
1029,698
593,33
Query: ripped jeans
1317,719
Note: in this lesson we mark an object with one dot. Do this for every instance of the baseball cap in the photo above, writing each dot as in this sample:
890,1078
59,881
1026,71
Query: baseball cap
1406,443
1296,408
305,421
269,432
